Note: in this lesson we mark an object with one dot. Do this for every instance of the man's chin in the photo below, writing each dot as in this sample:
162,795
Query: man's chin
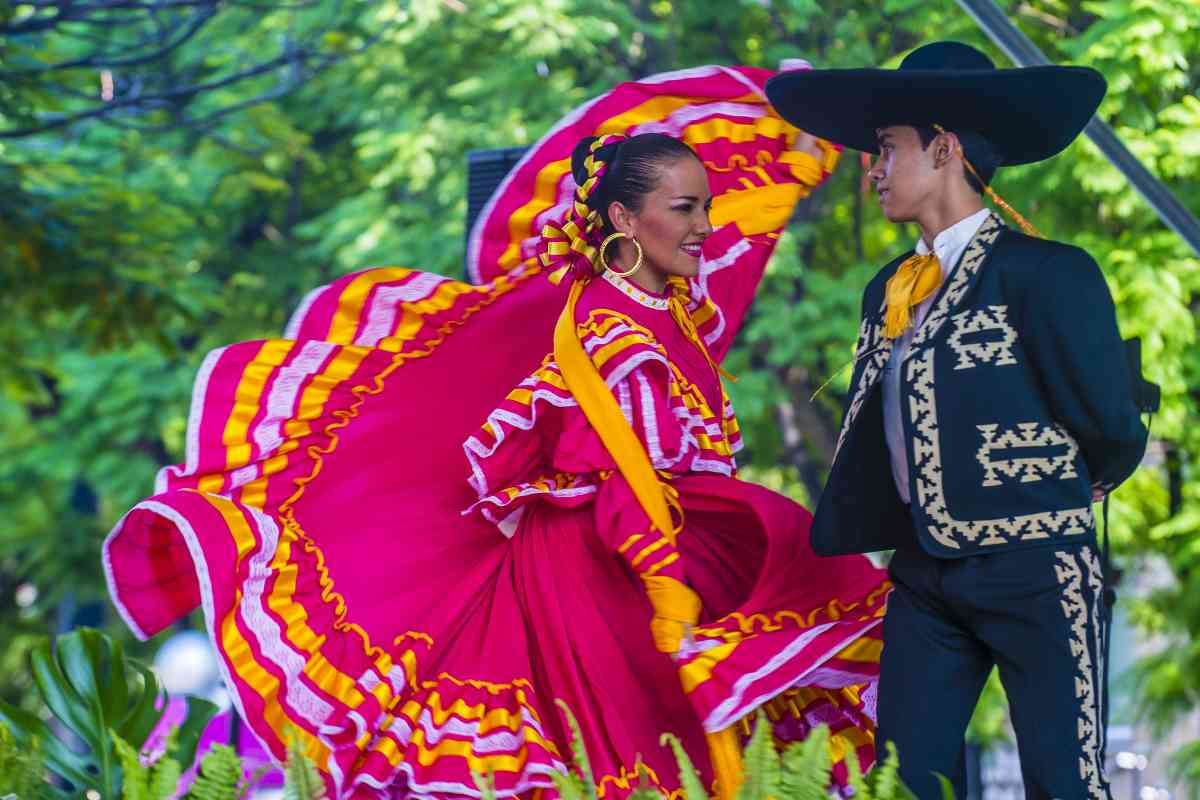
897,216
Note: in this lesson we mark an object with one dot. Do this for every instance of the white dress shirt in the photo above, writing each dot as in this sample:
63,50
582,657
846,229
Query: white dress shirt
949,246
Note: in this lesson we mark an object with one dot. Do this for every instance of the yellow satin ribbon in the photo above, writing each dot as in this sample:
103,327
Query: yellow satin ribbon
677,305
725,751
600,407
675,603
914,282
676,606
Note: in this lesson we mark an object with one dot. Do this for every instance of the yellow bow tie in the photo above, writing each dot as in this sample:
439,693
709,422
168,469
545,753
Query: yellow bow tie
914,282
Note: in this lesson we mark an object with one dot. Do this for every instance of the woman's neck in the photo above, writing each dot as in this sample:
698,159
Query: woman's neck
649,279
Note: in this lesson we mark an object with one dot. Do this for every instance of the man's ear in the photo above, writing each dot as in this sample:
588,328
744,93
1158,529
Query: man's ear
622,218
945,146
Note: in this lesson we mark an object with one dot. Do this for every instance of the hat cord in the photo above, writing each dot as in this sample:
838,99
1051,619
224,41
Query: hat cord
1016,216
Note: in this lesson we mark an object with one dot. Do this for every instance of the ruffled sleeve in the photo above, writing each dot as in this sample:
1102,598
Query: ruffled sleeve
538,445
752,204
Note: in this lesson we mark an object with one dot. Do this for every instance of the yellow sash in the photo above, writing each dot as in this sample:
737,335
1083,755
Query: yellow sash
602,411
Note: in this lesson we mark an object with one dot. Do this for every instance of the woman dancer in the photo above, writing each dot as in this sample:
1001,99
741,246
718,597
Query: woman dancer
610,559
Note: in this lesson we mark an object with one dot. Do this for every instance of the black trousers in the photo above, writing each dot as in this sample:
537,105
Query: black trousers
1034,613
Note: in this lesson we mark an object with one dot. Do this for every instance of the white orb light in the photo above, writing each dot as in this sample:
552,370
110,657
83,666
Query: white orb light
187,665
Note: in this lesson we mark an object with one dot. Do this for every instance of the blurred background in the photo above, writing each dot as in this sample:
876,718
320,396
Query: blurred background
174,176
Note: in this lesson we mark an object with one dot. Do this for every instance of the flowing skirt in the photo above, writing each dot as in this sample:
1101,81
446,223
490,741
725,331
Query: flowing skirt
318,523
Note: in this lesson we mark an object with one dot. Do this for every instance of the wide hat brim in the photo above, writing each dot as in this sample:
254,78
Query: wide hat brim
1028,114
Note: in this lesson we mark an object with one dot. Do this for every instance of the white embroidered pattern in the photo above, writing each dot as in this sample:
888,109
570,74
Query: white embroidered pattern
1026,469
960,282
993,320
1075,608
877,348
1095,579
634,292
927,456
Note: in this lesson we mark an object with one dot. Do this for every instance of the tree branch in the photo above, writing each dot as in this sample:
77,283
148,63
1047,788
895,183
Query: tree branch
160,28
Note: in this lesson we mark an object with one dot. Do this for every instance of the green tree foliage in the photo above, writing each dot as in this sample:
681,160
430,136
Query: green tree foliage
129,250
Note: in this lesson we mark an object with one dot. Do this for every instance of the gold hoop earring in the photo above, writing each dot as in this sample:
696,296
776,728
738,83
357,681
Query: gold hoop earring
603,260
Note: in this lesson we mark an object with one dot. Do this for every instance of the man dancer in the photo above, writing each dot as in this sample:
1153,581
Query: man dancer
990,401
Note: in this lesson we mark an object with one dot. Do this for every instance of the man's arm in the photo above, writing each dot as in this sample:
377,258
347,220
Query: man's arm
1070,332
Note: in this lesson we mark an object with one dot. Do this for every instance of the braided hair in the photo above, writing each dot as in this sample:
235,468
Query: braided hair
632,169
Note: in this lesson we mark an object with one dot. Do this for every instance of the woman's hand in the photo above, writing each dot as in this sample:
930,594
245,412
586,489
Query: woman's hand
807,143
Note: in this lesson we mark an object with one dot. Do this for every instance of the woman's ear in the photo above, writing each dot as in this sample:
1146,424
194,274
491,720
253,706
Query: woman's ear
622,218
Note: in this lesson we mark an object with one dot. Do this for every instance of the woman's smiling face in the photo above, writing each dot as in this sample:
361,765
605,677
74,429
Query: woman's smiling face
672,223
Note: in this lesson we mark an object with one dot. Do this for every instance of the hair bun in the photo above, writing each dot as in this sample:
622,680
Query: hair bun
607,154
579,156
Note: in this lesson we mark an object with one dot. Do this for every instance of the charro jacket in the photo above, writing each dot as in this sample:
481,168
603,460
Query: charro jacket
1016,400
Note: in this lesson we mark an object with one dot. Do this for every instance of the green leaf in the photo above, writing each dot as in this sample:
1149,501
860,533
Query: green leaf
219,776
149,706
187,737
946,786
136,781
60,697
302,781
485,784
689,779
579,749
22,771
806,767
28,730
164,777
761,777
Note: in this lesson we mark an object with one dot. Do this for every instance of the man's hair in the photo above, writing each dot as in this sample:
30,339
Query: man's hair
977,149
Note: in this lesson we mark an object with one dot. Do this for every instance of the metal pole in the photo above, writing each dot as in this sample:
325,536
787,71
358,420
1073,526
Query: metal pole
1005,35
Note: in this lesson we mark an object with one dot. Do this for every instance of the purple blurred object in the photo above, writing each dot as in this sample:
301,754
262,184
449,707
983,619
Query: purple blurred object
254,756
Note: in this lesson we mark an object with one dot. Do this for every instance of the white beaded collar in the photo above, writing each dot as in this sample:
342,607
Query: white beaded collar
635,292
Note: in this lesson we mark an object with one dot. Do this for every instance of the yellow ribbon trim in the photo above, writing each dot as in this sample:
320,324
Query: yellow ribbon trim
915,281
679,312
676,606
667,595
726,754
602,411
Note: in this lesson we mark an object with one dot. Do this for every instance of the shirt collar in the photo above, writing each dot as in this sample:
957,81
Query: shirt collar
950,243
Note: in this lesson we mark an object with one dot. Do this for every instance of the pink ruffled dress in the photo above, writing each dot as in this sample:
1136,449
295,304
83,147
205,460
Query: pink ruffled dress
408,542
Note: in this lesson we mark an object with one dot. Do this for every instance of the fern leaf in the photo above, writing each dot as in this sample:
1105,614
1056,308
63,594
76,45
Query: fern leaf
485,784
22,770
252,780
761,774
860,788
136,777
947,786
579,750
569,786
301,779
806,767
164,777
885,778
219,776
689,779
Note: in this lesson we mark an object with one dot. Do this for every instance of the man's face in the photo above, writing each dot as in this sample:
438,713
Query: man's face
904,173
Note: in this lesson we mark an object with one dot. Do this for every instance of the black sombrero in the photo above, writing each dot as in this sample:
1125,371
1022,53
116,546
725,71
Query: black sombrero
1028,114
